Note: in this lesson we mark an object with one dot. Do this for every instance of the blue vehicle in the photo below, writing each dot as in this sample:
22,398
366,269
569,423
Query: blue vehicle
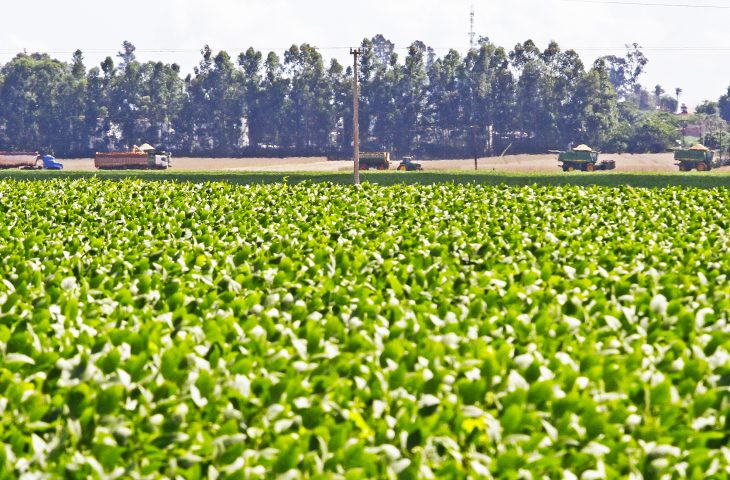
29,161
49,162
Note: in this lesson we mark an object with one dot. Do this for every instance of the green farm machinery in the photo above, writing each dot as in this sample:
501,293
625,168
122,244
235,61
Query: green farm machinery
377,160
697,157
409,165
583,158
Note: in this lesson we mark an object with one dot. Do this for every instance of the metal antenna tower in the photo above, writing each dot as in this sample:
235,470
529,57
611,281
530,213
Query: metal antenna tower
471,29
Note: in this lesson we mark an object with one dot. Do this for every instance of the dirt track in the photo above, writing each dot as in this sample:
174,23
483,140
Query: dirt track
661,162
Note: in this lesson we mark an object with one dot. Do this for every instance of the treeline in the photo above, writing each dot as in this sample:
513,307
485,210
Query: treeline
488,101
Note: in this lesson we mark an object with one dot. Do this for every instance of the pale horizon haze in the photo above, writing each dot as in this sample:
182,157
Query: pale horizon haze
687,47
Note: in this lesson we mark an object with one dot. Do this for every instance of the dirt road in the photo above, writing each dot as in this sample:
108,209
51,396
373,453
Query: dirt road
661,162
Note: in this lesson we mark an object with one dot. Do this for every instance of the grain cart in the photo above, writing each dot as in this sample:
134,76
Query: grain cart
145,157
408,165
698,157
29,161
377,160
583,158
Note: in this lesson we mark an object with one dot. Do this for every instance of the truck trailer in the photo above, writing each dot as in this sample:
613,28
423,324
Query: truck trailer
583,158
698,157
141,158
377,160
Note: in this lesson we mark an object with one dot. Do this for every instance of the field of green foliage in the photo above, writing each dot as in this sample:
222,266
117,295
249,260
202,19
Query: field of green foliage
179,330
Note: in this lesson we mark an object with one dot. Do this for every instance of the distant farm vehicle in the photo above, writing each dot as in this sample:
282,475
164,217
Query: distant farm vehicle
698,157
408,165
50,163
583,158
29,161
145,157
377,160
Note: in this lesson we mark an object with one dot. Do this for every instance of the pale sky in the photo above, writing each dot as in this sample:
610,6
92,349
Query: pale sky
687,47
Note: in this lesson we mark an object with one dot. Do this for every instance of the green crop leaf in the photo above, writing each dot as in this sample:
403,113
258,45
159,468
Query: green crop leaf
109,399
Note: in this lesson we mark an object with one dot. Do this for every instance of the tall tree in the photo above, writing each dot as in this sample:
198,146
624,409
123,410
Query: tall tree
78,69
29,102
410,96
310,118
444,104
126,54
276,90
658,92
625,71
600,114
723,105
380,73
251,63
678,92
340,80
73,137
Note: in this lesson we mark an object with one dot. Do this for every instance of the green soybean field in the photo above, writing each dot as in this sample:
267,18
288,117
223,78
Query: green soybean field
157,329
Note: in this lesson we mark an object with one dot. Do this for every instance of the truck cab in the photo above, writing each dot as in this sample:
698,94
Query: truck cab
49,162
162,160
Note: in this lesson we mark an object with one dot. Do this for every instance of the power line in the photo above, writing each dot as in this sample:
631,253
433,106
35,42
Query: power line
650,4
698,48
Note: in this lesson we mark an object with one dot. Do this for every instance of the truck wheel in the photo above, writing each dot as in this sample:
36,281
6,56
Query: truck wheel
402,168
590,167
701,167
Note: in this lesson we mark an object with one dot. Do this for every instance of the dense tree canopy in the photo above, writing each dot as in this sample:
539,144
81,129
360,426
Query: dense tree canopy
412,102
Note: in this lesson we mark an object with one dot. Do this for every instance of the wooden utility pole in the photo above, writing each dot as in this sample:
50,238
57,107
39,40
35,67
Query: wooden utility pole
474,146
355,52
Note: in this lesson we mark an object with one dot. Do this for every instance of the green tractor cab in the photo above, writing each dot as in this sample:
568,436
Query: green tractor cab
583,158
698,157
408,165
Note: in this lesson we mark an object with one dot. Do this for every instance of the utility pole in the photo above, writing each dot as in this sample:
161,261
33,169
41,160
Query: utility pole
355,52
474,146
